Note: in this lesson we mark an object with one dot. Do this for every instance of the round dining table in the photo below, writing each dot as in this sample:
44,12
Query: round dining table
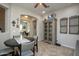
11,43
14,44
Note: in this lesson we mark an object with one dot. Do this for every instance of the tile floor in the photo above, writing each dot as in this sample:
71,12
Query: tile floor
46,49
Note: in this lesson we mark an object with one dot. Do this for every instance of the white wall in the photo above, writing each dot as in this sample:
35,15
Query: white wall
68,40
16,11
5,35
12,13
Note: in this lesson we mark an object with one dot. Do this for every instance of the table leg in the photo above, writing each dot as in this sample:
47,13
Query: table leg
16,51
13,53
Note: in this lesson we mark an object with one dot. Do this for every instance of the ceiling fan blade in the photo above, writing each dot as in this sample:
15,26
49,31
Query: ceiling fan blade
36,5
45,5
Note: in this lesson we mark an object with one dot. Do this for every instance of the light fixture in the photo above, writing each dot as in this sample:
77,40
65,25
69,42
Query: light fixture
40,3
43,12
49,16
43,4
26,16
13,23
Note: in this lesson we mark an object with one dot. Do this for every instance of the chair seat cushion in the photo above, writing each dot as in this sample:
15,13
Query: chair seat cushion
5,51
27,53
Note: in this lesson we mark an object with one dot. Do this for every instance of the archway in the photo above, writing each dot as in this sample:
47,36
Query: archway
28,25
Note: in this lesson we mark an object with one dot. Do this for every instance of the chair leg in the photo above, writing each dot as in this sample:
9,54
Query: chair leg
33,51
37,45
36,48
13,53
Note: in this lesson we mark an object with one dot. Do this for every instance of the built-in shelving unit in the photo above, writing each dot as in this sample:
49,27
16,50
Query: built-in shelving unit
50,31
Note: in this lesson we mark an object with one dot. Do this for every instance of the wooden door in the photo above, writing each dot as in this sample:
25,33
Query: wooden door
2,19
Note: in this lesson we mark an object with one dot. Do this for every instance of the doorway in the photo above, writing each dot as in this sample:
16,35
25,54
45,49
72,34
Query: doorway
28,25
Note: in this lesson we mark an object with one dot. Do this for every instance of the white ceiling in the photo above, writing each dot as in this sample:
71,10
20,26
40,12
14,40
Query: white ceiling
52,7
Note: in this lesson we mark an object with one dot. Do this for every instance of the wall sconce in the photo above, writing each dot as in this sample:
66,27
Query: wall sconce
13,23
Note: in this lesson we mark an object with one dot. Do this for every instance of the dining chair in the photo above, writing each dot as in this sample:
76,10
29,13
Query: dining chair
27,49
36,43
6,51
35,38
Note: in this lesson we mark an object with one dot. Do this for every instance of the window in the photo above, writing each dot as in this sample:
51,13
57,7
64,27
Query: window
2,19
74,25
63,25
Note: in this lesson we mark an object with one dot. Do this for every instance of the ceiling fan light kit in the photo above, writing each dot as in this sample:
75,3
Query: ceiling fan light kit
43,4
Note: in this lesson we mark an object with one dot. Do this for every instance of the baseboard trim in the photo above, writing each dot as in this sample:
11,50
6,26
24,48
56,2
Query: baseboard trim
67,46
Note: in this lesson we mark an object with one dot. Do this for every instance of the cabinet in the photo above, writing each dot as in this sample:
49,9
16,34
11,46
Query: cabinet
50,31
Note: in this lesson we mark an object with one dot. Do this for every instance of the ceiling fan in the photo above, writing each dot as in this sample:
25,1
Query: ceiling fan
43,4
